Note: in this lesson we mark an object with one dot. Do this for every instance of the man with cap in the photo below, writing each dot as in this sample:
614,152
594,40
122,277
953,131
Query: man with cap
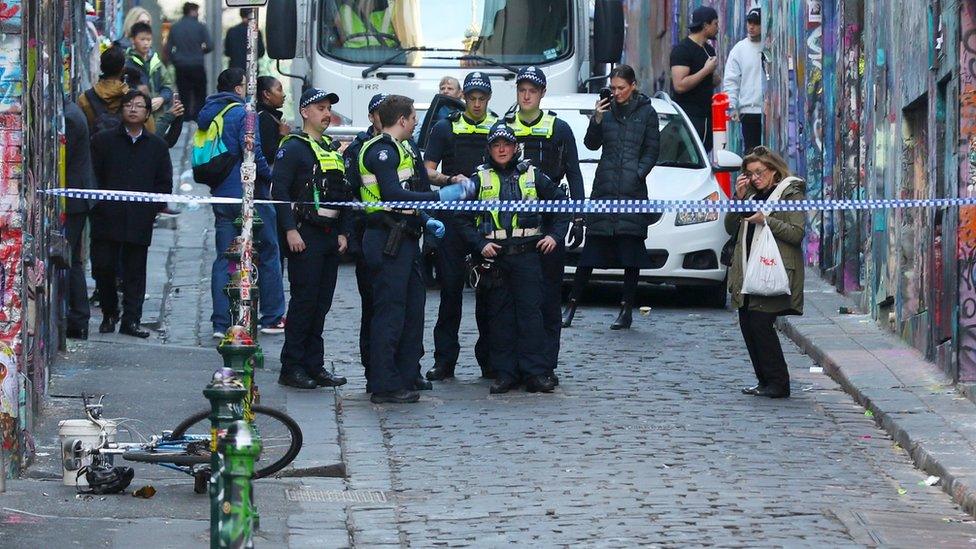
694,71
511,246
458,145
744,81
308,173
391,172
548,143
363,282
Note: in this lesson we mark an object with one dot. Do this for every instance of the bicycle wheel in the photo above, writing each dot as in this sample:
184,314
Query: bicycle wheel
281,438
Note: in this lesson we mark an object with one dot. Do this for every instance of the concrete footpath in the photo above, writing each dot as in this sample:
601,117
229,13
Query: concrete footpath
908,396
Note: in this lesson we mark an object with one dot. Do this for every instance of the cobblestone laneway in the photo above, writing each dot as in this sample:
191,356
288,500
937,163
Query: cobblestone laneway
646,441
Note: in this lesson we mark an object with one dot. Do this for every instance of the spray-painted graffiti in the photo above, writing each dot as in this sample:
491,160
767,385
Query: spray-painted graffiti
967,176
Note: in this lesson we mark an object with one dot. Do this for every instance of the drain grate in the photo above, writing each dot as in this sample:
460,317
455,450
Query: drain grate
336,496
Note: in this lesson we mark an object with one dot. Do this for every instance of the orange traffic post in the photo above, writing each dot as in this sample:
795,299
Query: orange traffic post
720,140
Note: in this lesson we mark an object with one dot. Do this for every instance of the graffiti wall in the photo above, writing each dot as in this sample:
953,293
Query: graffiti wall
967,187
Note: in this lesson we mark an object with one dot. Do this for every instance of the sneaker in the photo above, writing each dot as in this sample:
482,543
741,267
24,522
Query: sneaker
168,212
218,335
274,329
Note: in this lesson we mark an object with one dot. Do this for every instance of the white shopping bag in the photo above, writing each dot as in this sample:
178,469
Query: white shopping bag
764,271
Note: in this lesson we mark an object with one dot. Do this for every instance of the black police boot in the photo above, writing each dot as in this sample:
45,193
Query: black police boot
754,390
440,372
323,378
568,313
297,379
502,385
133,329
554,378
108,324
625,317
76,333
421,384
402,396
540,384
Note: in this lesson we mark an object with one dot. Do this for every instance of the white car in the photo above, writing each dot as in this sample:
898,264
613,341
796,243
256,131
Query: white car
684,248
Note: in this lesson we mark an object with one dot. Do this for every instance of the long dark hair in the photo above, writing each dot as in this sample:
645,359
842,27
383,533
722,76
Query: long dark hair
265,83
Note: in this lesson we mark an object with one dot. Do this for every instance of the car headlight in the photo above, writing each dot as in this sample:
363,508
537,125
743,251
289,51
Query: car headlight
692,218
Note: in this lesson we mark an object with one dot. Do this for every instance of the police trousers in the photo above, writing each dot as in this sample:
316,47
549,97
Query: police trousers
514,309
312,277
396,339
553,265
452,271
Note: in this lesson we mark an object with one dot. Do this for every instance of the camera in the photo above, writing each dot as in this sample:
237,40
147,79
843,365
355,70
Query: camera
605,94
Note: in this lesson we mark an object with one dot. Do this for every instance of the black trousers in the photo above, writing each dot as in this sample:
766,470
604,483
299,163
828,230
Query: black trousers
396,341
751,131
191,81
759,333
76,298
516,333
106,256
312,277
703,126
452,271
364,283
553,265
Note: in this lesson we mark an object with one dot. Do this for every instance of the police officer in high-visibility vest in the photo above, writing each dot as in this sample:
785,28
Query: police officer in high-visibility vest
391,171
364,282
309,172
512,246
366,23
458,145
548,143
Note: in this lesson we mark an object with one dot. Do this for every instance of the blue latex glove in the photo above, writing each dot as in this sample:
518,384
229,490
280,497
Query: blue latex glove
463,190
435,228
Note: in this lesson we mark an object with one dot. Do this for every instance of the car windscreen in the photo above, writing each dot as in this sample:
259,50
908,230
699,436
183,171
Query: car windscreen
371,31
678,145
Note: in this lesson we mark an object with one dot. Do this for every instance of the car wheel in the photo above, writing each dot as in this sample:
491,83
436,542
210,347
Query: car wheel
715,296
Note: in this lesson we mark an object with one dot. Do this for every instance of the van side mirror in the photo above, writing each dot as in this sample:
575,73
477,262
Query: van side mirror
281,26
608,31
727,161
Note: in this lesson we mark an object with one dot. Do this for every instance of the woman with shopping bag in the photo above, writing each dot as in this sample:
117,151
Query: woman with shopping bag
766,275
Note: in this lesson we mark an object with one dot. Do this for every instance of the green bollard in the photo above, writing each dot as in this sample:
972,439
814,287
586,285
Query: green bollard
238,518
225,394
238,350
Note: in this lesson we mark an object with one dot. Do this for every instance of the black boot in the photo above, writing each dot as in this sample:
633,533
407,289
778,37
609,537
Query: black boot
568,313
440,372
625,317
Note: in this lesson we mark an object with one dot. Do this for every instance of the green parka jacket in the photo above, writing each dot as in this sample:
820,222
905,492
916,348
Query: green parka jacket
788,228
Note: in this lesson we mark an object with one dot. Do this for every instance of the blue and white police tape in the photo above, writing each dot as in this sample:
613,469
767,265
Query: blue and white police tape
551,206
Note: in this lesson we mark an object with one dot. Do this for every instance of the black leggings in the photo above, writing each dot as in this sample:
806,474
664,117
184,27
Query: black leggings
630,283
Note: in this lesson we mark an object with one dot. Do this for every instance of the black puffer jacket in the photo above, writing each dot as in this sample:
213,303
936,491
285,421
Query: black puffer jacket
629,136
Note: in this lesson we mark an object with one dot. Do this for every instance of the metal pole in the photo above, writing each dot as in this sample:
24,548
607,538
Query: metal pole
248,172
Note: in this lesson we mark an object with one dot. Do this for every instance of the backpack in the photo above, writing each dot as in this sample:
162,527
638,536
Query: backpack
211,160
104,119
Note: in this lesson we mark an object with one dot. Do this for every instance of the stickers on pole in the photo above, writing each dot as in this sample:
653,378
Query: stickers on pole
245,3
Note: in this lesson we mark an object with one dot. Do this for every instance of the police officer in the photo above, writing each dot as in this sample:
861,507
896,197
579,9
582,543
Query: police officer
549,144
513,244
458,145
363,281
308,171
391,171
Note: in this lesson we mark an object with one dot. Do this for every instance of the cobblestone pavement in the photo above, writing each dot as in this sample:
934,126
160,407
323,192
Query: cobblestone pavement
647,440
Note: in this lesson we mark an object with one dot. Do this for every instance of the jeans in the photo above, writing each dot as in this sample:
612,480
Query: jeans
270,285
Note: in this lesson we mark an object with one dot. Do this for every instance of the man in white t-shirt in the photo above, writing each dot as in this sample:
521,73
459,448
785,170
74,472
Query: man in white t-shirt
744,81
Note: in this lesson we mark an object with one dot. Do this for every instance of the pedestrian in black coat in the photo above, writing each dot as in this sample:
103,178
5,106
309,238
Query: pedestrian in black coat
626,126
78,173
129,158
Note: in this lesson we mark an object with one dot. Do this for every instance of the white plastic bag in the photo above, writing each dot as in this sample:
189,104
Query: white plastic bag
764,271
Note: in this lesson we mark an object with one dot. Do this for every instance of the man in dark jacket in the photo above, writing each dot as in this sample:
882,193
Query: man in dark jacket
188,41
235,42
230,89
78,172
129,158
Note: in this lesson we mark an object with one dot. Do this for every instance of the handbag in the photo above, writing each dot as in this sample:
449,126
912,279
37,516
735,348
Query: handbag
729,249
763,271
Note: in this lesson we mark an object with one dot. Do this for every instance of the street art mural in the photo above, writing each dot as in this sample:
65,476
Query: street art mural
967,188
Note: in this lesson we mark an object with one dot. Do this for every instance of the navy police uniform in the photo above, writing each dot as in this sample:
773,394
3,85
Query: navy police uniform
391,171
550,145
309,171
513,283
458,144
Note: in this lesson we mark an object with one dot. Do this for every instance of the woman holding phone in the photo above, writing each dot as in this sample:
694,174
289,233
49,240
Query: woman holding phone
625,125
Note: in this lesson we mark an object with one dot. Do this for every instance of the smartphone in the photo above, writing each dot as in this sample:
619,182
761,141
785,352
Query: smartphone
176,96
605,94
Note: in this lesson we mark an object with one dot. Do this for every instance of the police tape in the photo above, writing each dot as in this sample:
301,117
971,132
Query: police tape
550,206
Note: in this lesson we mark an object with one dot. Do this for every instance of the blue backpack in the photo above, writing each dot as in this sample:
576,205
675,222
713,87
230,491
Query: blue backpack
211,160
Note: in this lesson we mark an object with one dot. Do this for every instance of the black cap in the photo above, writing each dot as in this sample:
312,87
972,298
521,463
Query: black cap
315,95
531,74
476,81
702,15
501,130
374,103
754,15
